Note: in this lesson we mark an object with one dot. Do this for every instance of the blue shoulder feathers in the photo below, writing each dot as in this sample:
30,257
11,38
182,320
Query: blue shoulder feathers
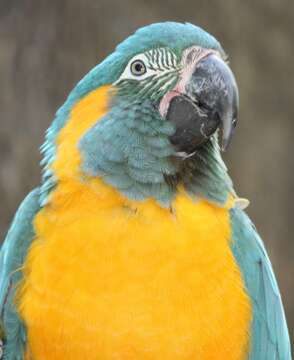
269,333
12,254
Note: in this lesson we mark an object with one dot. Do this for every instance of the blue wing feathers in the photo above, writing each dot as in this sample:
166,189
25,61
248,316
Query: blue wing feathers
12,254
269,333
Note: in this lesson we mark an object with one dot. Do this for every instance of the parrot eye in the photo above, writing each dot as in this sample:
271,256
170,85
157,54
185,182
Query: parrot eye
138,68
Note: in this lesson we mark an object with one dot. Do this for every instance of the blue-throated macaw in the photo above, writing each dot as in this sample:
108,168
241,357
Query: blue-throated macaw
135,245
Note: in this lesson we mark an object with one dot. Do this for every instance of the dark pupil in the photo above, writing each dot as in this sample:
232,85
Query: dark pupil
138,67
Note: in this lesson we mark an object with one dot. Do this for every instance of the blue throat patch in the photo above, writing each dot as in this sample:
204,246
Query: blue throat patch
129,148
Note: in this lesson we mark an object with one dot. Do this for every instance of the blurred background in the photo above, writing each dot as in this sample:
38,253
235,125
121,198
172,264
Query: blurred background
47,46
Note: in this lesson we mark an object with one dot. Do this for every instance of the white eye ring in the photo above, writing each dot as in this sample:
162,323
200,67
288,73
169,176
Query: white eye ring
138,68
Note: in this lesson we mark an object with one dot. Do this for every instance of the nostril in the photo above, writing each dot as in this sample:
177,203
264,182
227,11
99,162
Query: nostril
201,105
215,115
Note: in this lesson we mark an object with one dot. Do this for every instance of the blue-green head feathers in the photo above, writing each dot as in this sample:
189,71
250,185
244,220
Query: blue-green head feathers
172,35
130,146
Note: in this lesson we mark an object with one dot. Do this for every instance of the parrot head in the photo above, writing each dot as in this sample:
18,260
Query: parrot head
184,74
172,98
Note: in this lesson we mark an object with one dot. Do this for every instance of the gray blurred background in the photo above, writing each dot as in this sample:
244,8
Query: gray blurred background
47,46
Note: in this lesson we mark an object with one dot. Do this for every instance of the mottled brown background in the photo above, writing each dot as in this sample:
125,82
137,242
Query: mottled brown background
47,46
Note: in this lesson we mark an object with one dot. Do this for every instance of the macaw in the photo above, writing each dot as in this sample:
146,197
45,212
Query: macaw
135,244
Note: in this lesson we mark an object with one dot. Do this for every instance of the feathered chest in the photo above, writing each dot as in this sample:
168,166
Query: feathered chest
133,281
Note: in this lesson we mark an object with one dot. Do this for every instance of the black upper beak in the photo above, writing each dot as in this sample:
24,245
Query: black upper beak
210,102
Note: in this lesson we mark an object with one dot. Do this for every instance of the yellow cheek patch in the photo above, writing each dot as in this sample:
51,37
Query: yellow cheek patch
82,117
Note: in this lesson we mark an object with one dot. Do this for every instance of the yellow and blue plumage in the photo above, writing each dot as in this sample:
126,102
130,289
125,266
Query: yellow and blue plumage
134,246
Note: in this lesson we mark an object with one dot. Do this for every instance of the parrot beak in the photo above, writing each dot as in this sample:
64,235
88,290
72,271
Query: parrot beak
209,101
